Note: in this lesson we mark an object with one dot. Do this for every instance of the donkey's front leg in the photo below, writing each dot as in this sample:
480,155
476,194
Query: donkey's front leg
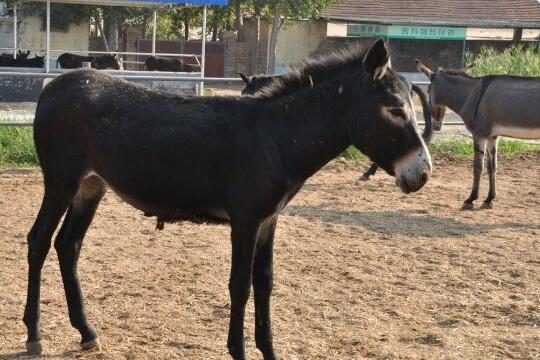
244,233
492,169
262,289
479,148
371,171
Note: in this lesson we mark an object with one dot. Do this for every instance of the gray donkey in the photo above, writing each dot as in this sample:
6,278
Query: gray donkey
490,106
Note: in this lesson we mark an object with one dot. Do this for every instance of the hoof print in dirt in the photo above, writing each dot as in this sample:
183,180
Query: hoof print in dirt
467,206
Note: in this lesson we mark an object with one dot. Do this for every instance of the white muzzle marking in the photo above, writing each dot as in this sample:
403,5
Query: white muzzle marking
413,170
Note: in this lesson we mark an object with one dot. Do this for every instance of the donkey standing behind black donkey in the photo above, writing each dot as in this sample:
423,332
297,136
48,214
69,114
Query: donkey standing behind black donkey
490,106
238,160
256,83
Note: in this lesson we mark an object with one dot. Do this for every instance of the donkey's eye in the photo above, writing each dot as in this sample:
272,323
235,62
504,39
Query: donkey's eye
399,112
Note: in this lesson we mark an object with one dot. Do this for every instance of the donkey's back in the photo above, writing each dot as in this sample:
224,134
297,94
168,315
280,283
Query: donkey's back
507,106
138,141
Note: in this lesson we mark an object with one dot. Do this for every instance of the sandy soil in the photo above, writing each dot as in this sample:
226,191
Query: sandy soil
362,271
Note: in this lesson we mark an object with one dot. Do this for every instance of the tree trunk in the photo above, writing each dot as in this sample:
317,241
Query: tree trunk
214,32
256,44
112,35
276,25
518,34
228,25
186,27
239,20
103,37
215,22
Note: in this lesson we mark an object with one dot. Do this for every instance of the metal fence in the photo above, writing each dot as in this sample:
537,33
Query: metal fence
165,77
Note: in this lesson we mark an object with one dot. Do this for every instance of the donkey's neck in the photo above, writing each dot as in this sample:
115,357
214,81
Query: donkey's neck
314,126
456,93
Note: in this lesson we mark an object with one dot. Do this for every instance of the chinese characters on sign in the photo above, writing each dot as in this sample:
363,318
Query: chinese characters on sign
366,30
406,32
426,32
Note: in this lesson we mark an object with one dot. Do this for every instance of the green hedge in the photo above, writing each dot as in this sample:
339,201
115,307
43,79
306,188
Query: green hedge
515,60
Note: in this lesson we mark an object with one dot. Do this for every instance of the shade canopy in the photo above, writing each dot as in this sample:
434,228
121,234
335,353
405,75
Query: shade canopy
143,3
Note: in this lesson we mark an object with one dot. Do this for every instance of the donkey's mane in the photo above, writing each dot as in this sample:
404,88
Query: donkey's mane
316,69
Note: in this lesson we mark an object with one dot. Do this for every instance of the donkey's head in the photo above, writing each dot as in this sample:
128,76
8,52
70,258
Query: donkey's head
107,62
22,55
382,121
438,109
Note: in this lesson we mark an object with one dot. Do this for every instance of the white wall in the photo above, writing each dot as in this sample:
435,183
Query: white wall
30,36
298,40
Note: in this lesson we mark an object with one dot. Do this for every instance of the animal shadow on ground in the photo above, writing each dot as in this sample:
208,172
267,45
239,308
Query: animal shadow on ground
22,355
406,223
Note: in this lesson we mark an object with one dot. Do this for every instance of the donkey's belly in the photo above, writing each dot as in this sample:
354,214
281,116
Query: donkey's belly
516,132
180,212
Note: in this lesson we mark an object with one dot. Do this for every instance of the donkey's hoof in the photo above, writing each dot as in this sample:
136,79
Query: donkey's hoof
487,205
363,178
34,348
91,345
467,206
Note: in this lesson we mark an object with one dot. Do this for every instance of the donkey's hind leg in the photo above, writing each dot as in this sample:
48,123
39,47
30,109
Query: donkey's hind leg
371,171
68,246
55,202
492,169
262,289
479,148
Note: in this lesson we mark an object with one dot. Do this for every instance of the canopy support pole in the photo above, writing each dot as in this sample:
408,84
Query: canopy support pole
203,47
15,30
48,55
154,31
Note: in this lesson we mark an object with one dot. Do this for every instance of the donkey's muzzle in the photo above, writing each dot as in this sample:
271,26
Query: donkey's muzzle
413,170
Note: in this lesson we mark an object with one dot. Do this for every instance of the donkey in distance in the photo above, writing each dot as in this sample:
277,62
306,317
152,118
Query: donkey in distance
256,83
155,63
102,62
238,160
490,106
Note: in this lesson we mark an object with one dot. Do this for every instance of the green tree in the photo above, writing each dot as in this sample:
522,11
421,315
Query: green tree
220,19
109,19
282,10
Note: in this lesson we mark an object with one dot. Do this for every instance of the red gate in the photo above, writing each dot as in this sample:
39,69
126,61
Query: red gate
215,53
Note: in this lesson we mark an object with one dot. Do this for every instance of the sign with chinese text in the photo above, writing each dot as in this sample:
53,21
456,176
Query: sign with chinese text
366,30
406,32
426,32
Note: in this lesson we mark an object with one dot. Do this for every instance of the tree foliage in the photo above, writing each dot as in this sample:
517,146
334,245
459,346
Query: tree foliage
64,14
172,20
516,60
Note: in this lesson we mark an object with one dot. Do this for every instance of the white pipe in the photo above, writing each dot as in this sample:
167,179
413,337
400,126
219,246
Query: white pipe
48,56
107,52
167,76
154,32
15,30
203,48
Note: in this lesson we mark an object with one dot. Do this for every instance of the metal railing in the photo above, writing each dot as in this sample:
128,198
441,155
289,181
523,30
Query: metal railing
166,77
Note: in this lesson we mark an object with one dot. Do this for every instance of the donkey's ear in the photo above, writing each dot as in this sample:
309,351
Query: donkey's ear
423,68
377,60
244,77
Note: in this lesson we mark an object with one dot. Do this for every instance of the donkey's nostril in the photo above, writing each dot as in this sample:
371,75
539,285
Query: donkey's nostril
425,177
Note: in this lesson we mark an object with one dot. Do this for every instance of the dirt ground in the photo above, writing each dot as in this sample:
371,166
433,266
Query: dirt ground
362,272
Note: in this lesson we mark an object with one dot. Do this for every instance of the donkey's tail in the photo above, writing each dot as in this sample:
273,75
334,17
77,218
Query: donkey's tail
428,128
